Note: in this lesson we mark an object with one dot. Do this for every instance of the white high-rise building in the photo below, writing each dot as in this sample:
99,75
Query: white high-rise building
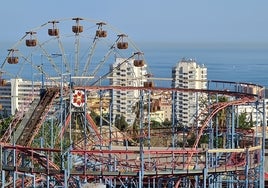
17,94
125,73
5,99
187,74
23,93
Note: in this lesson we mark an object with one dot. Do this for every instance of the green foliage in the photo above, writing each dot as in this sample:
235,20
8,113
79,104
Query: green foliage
155,124
95,117
4,125
191,139
120,122
135,131
221,115
167,123
204,139
51,140
222,99
218,142
45,134
244,122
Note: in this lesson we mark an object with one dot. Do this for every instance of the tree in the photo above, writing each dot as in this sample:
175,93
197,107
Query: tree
244,122
221,115
95,117
4,125
155,124
120,122
167,123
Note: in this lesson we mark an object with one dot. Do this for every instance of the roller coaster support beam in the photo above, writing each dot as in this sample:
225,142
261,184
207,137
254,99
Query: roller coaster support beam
262,154
233,127
246,168
110,135
101,122
205,171
173,119
14,164
141,172
2,171
61,105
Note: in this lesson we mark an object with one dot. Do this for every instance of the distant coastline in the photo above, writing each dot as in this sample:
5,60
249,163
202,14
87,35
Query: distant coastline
229,61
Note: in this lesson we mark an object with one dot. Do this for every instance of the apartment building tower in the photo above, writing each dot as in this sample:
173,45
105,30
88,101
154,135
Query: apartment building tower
17,95
187,74
125,73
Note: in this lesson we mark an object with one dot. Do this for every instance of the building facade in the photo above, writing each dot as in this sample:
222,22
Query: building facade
17,95
187,74
23,92
5,99
125,73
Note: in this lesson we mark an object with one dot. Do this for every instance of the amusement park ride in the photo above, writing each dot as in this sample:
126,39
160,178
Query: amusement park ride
57,142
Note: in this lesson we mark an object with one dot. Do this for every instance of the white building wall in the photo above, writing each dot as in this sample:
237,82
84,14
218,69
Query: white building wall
18,94
126,74
189,75
5,99
22,94
253,114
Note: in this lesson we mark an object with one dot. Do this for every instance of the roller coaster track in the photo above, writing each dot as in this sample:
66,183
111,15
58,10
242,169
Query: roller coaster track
31,124
235,162
160,158
216,108
18,119
26,127
104,138
36,155
206,113
94,126
32,127
97,140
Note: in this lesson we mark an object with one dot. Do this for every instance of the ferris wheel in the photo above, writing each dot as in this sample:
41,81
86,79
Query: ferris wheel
79,48
67,52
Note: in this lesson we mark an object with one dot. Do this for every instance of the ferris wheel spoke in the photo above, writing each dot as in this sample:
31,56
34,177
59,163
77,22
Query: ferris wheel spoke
100,64
86,49
64,58
115,68
89,58
100,33
11,52
76,65
51,60
26,60
77,29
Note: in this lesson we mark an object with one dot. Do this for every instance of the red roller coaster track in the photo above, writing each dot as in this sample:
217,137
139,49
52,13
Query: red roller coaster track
158,162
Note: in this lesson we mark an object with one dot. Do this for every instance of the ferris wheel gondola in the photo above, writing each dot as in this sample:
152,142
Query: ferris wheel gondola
85,50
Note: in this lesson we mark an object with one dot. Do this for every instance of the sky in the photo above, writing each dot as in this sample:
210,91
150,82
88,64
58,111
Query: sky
186,21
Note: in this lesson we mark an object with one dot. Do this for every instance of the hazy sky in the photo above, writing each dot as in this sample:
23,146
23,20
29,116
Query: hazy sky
148,20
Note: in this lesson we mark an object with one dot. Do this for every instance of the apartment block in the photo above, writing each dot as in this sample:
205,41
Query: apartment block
188,74
124,72
17,94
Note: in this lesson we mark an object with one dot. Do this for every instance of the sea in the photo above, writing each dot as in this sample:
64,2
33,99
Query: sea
225,61
234,62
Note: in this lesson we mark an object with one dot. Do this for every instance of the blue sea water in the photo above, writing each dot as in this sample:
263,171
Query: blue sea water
238,62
